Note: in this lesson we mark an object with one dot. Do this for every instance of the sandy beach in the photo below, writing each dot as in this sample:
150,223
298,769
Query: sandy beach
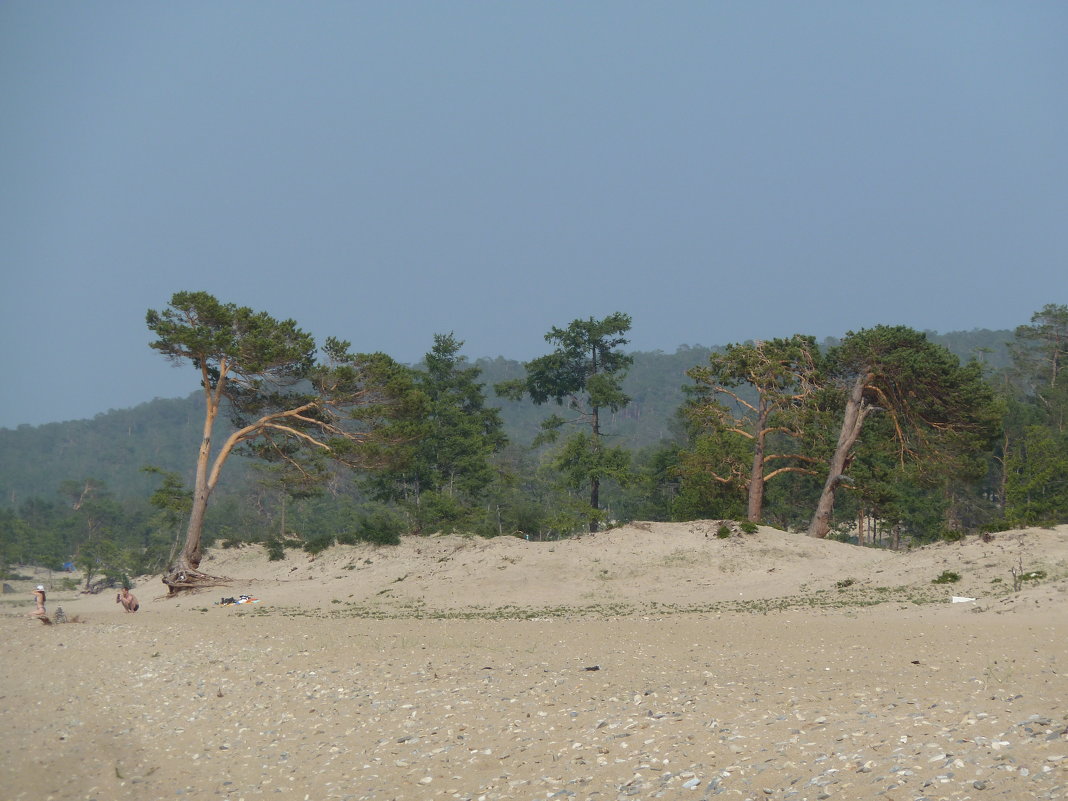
650,661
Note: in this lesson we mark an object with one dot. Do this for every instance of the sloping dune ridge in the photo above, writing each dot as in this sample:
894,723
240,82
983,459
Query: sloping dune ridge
653,660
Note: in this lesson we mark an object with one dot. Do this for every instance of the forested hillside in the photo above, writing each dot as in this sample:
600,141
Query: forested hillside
944,433
114,447
111,448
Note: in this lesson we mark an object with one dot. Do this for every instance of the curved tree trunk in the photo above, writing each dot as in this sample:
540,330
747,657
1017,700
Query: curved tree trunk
184,574
852,422
189,558
191,553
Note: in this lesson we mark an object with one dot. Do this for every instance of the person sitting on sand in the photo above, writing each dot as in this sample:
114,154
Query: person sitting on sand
39,597
128,600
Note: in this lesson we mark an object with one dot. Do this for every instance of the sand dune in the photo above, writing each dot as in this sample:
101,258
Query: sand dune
652,660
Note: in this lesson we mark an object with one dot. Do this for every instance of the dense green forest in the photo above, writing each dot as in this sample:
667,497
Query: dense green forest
946,434
115,446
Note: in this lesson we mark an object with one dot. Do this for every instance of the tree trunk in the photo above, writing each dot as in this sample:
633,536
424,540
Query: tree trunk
184,575
190,557
755,510
595,499
1003,481
595,481
852,421
191,554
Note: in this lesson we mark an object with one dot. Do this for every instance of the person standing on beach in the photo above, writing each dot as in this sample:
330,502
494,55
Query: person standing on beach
39,598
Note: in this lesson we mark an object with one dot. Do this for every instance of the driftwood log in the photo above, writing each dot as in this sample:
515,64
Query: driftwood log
179,581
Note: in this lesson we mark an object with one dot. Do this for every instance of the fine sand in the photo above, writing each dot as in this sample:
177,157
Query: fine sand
650,661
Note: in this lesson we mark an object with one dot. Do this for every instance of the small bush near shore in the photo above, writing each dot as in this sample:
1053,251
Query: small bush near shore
947,577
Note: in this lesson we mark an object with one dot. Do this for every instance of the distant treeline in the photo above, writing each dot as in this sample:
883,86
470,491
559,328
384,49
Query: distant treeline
111,493
114,446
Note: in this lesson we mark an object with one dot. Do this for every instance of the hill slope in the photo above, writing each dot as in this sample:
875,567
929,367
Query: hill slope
113,447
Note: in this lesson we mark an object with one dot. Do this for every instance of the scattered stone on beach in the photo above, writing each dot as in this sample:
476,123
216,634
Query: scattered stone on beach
293,701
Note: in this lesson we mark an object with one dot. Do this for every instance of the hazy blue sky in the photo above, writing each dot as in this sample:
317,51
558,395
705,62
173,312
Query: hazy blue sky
382,171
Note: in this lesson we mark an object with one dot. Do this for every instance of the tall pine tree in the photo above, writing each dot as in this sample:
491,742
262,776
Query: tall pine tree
584,374
448,467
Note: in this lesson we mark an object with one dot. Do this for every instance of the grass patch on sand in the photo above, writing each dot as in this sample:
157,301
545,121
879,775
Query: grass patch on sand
848,597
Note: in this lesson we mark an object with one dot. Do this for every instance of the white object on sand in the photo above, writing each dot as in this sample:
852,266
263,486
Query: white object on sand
957,599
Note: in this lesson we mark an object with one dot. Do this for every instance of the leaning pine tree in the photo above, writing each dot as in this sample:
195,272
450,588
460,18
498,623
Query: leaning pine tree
286,405
939,411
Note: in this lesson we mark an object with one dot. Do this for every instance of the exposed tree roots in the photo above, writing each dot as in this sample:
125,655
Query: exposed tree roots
187,580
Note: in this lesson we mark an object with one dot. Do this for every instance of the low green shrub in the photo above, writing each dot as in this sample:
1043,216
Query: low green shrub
318,543
381,527
947,577
276,550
